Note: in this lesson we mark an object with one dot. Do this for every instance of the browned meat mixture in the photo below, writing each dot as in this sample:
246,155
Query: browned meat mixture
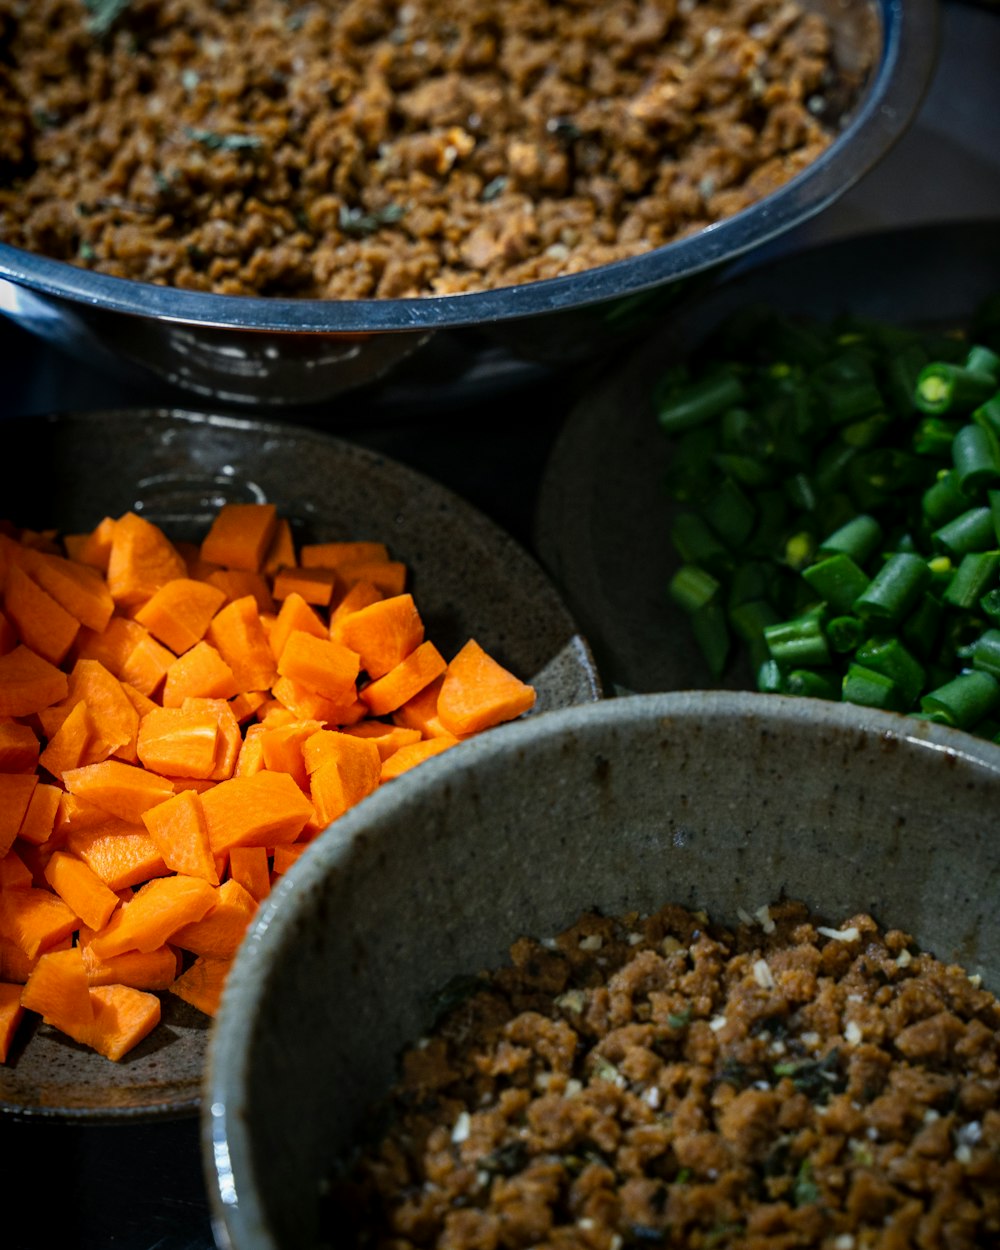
667,1082
356,148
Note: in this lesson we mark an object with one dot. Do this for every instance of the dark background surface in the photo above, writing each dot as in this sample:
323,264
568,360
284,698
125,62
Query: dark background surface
140,1186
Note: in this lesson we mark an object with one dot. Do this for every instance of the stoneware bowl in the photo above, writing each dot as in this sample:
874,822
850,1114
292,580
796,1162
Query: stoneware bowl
176,468
716,800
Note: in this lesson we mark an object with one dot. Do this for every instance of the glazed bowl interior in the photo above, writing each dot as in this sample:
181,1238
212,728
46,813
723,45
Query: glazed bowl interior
713,800
293,351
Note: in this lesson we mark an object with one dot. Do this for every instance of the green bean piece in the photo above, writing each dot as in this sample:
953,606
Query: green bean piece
699,402
851,398
695,542
988,415
890,657
859,539
986,653
770,679
832,466
989,605
902,369
983,359
946,387
894,590
965,699
692,588
844,633
838,581
975,575
934,436
975,454
813,683
745,470
730,513
801,493
870,689
944,500
921,629
798,643
711,633
971,530
749,621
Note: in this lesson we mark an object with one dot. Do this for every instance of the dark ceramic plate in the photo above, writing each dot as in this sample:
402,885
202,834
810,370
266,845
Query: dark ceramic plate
467,575
603,516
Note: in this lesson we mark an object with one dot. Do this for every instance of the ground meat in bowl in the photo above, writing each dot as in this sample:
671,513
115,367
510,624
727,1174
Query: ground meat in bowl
390,148
665,1081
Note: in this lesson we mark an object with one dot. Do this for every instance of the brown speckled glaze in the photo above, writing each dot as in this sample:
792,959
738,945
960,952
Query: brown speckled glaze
468,576
716,800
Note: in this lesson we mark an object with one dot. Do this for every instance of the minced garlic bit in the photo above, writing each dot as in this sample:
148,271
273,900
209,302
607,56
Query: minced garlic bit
845,1241
852,1033
572,1000
841,935
763,916
904,959
717,1023
592,942
463,1125
762,974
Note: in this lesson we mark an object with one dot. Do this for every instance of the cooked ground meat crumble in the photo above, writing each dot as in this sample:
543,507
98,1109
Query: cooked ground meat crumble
389,148
663,1081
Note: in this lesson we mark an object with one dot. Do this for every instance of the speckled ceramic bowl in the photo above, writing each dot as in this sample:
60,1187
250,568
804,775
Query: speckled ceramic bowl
714,800
469,577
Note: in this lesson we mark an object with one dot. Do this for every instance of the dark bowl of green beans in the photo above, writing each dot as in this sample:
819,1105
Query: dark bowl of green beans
820,512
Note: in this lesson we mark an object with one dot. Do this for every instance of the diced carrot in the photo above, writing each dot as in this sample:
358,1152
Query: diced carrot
295,614
93,547
175,742
15,965
251,756
19,747
202,984
321,664
478,693
78,813
178,828
179,613
407,679
200,672
281,748
237,633
122,854
152,916
113,716
219,932
57,990
303,703
71,745
249,866
387,738
286,855
8,637
383,634
281,552
16,790
38,620
409,756
388,575
331,555
123,790
29,683
246,704
11,1013
261,810
236,583
79,589
35,919
358,595
313,585
141,560
240,535
343,770
81,889
123,1016
129,651
14,873
142,970
40,818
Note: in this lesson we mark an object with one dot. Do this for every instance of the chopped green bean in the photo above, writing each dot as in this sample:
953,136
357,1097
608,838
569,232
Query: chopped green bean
946,387
965,699
894,590
838,581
